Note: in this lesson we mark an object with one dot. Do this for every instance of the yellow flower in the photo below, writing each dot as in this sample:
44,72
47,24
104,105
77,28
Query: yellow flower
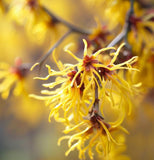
66,100
142,32
12,77
30,14
141,38
120,9
92,132
106,76
76,95
146,66
100,36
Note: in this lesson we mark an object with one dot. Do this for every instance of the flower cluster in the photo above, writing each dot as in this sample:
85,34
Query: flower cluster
12,77
92,96
92,131
31,15
83,92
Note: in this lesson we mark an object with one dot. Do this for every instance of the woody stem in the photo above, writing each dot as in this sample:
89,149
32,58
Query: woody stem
96,103
53,47
67,24
127,26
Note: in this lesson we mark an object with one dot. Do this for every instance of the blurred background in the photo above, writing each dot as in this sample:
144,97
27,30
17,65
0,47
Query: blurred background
25,133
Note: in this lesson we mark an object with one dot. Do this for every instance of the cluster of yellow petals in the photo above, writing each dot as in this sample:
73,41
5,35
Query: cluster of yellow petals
9,80
67,99
30,14
141,38
72,95
12,78
77,93
89,134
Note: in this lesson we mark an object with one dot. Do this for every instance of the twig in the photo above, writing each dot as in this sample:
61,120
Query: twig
125,30
69,25
95,106
128,24
53,47
117,39
96,103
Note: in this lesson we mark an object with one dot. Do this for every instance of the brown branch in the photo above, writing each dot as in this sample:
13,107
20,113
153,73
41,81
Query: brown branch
117,39
67,24
96,103
127,26
44,58
71,27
